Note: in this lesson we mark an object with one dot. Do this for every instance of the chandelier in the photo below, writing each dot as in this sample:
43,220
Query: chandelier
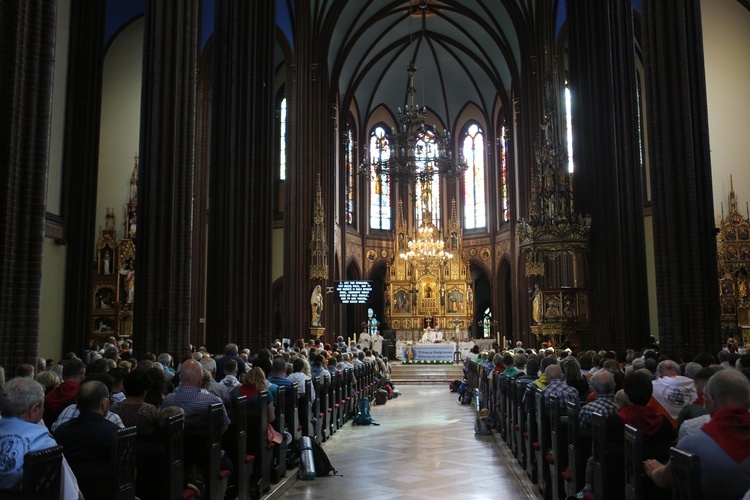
427,248
414,152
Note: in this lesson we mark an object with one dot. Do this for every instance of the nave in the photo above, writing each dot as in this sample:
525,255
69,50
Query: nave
424,447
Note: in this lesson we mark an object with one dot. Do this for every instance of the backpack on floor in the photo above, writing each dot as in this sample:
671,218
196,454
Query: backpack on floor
484,423
323,465
464,396
381,397
389,387
363,413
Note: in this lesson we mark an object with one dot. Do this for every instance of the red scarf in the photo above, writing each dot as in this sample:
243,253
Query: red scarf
698,400
62,394
643,418
730,428
248,390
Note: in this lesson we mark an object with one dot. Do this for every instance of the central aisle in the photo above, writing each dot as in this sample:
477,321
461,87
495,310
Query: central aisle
424,447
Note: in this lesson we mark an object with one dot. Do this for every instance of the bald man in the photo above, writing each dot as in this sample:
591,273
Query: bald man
192,399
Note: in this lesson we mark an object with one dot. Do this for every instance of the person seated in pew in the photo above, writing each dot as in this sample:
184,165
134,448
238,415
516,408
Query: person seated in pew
658,433
230,380
133,410
697,408
318,369
72,411
574,378
723,444
603,382
278,374
89,438
192,399
22,407
557,387
672,392
255,382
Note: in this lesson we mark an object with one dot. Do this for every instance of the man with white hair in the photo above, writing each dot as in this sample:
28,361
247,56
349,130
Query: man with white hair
672,391
22,407
723,444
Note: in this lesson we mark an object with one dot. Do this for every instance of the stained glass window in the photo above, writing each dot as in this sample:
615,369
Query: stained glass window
349,164
504,175
427,148
380,191
475,206
282,139
569,127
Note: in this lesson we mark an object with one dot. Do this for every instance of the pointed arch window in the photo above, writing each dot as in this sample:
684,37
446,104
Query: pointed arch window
380,189
350,174
282,139
426,147
475,203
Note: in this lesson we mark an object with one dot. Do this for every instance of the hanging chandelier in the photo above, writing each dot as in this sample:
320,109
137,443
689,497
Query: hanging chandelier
414,152
427,248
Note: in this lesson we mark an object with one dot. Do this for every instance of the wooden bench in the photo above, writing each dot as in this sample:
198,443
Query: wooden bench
159,462
559,438
532,440
234,444
304,406
609,480
278,461
634,473
542,449
579,450
258,446
687,483
291,413
113,479
321,391
42,472
202,448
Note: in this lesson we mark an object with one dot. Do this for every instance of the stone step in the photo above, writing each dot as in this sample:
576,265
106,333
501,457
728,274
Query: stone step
425,374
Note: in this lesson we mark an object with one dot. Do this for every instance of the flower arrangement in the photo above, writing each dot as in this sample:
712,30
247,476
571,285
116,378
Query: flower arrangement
426,362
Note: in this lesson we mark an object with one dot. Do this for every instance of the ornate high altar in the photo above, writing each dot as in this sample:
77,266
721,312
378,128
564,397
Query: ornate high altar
733,254
432,292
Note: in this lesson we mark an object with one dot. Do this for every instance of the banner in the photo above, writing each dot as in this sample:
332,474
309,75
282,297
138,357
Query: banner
437,352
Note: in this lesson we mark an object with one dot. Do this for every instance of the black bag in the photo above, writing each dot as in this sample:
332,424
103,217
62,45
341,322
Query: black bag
323,466
381,397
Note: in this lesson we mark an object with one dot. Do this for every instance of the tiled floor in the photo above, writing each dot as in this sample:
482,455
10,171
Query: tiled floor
424,447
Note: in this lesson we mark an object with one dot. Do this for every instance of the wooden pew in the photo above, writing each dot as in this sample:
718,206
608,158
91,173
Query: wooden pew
42,472
292,413
321,408
257,445
579,449
520,424
159,462
338,399
332,427
687,483
532,440
544,437
348,391
234,444
113,479
278,461
304,403
608,461
508,420
202,448
559,431
634,473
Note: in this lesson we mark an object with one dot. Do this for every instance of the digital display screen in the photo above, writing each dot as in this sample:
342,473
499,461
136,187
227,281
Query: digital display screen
353,292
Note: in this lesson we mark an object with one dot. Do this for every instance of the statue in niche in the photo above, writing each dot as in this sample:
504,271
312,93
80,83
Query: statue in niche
316,306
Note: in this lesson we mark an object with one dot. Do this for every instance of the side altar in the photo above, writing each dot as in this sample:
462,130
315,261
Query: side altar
433,293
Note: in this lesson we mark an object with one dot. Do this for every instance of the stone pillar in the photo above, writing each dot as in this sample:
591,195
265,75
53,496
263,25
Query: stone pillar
165,185
682,199
607,169
27,45
81,165
242,177
309,152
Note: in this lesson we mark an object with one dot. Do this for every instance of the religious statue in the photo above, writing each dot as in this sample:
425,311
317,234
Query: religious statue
741,287
129,273
106,262
536,304
316,306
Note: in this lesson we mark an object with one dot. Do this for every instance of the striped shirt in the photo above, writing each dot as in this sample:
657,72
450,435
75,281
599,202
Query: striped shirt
194,401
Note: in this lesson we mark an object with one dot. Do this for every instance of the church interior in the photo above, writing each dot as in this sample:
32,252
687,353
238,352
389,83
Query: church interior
562,171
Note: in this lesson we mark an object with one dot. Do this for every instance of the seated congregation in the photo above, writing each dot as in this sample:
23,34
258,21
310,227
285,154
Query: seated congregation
643,427
211,426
